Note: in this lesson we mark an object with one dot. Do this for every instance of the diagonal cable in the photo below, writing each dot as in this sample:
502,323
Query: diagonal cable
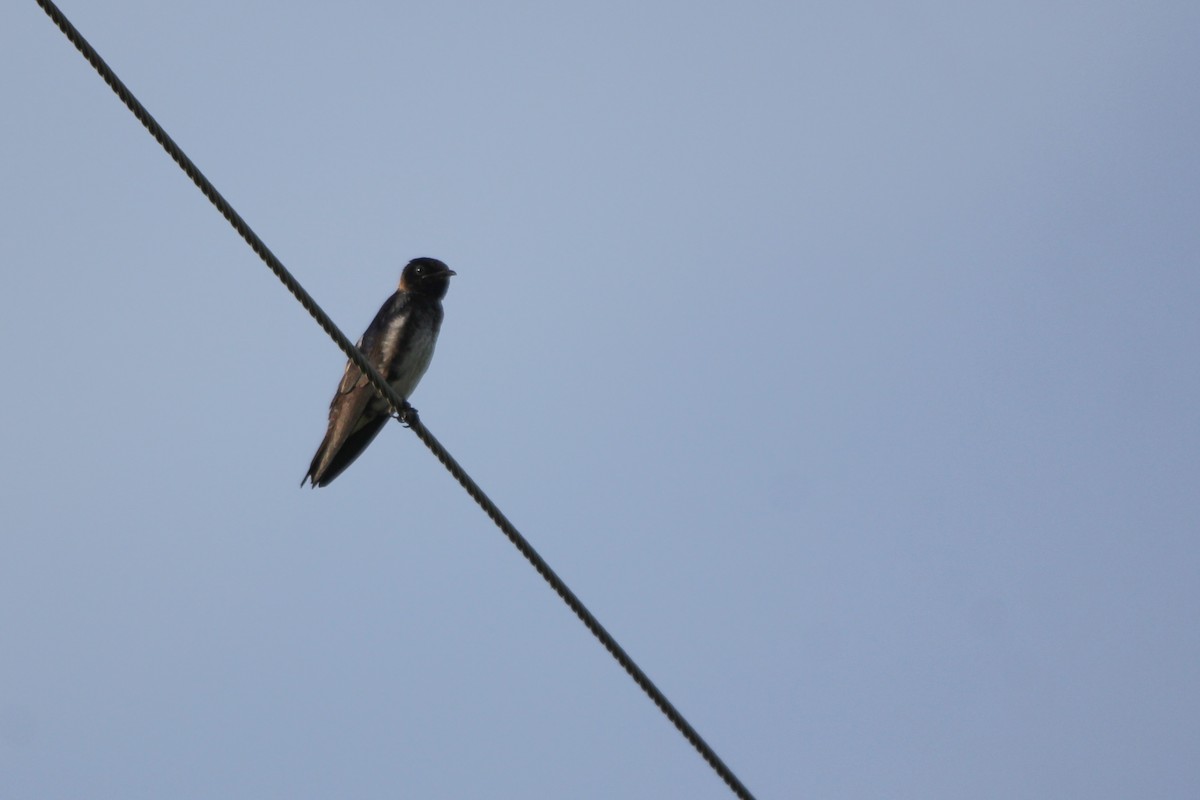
398,405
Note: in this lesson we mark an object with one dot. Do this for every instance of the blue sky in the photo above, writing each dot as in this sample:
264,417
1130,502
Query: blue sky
842,358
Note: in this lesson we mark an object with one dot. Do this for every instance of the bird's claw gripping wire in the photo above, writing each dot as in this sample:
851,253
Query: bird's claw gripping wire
406,415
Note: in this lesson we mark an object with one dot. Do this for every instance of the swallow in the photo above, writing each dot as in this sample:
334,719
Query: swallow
399,343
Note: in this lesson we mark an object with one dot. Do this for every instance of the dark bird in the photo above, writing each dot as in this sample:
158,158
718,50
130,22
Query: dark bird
399,343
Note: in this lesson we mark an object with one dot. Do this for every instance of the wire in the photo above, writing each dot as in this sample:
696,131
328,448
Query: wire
398,405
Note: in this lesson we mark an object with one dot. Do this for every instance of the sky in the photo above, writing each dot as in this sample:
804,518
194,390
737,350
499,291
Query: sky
841,357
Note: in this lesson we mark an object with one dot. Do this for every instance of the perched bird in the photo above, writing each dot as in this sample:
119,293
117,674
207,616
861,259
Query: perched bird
399,343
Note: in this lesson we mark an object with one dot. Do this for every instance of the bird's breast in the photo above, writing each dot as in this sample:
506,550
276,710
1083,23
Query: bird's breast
414,349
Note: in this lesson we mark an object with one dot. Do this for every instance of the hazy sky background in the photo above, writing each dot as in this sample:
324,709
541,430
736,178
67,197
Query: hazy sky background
844,358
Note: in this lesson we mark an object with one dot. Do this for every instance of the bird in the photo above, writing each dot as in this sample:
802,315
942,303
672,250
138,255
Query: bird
399,344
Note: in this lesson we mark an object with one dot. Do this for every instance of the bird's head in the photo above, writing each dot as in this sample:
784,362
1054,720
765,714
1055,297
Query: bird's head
426,276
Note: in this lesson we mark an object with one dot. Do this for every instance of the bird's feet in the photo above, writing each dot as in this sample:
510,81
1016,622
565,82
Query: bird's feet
407,415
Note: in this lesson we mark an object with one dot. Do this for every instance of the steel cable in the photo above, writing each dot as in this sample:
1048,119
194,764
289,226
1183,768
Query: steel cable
399,407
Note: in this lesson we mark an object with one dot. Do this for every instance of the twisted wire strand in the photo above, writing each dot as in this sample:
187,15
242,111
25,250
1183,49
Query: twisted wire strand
399,407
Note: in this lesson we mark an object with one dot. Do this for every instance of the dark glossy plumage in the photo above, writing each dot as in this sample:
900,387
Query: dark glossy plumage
399,343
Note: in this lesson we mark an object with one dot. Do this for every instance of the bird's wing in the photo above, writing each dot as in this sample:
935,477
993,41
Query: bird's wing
351,427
